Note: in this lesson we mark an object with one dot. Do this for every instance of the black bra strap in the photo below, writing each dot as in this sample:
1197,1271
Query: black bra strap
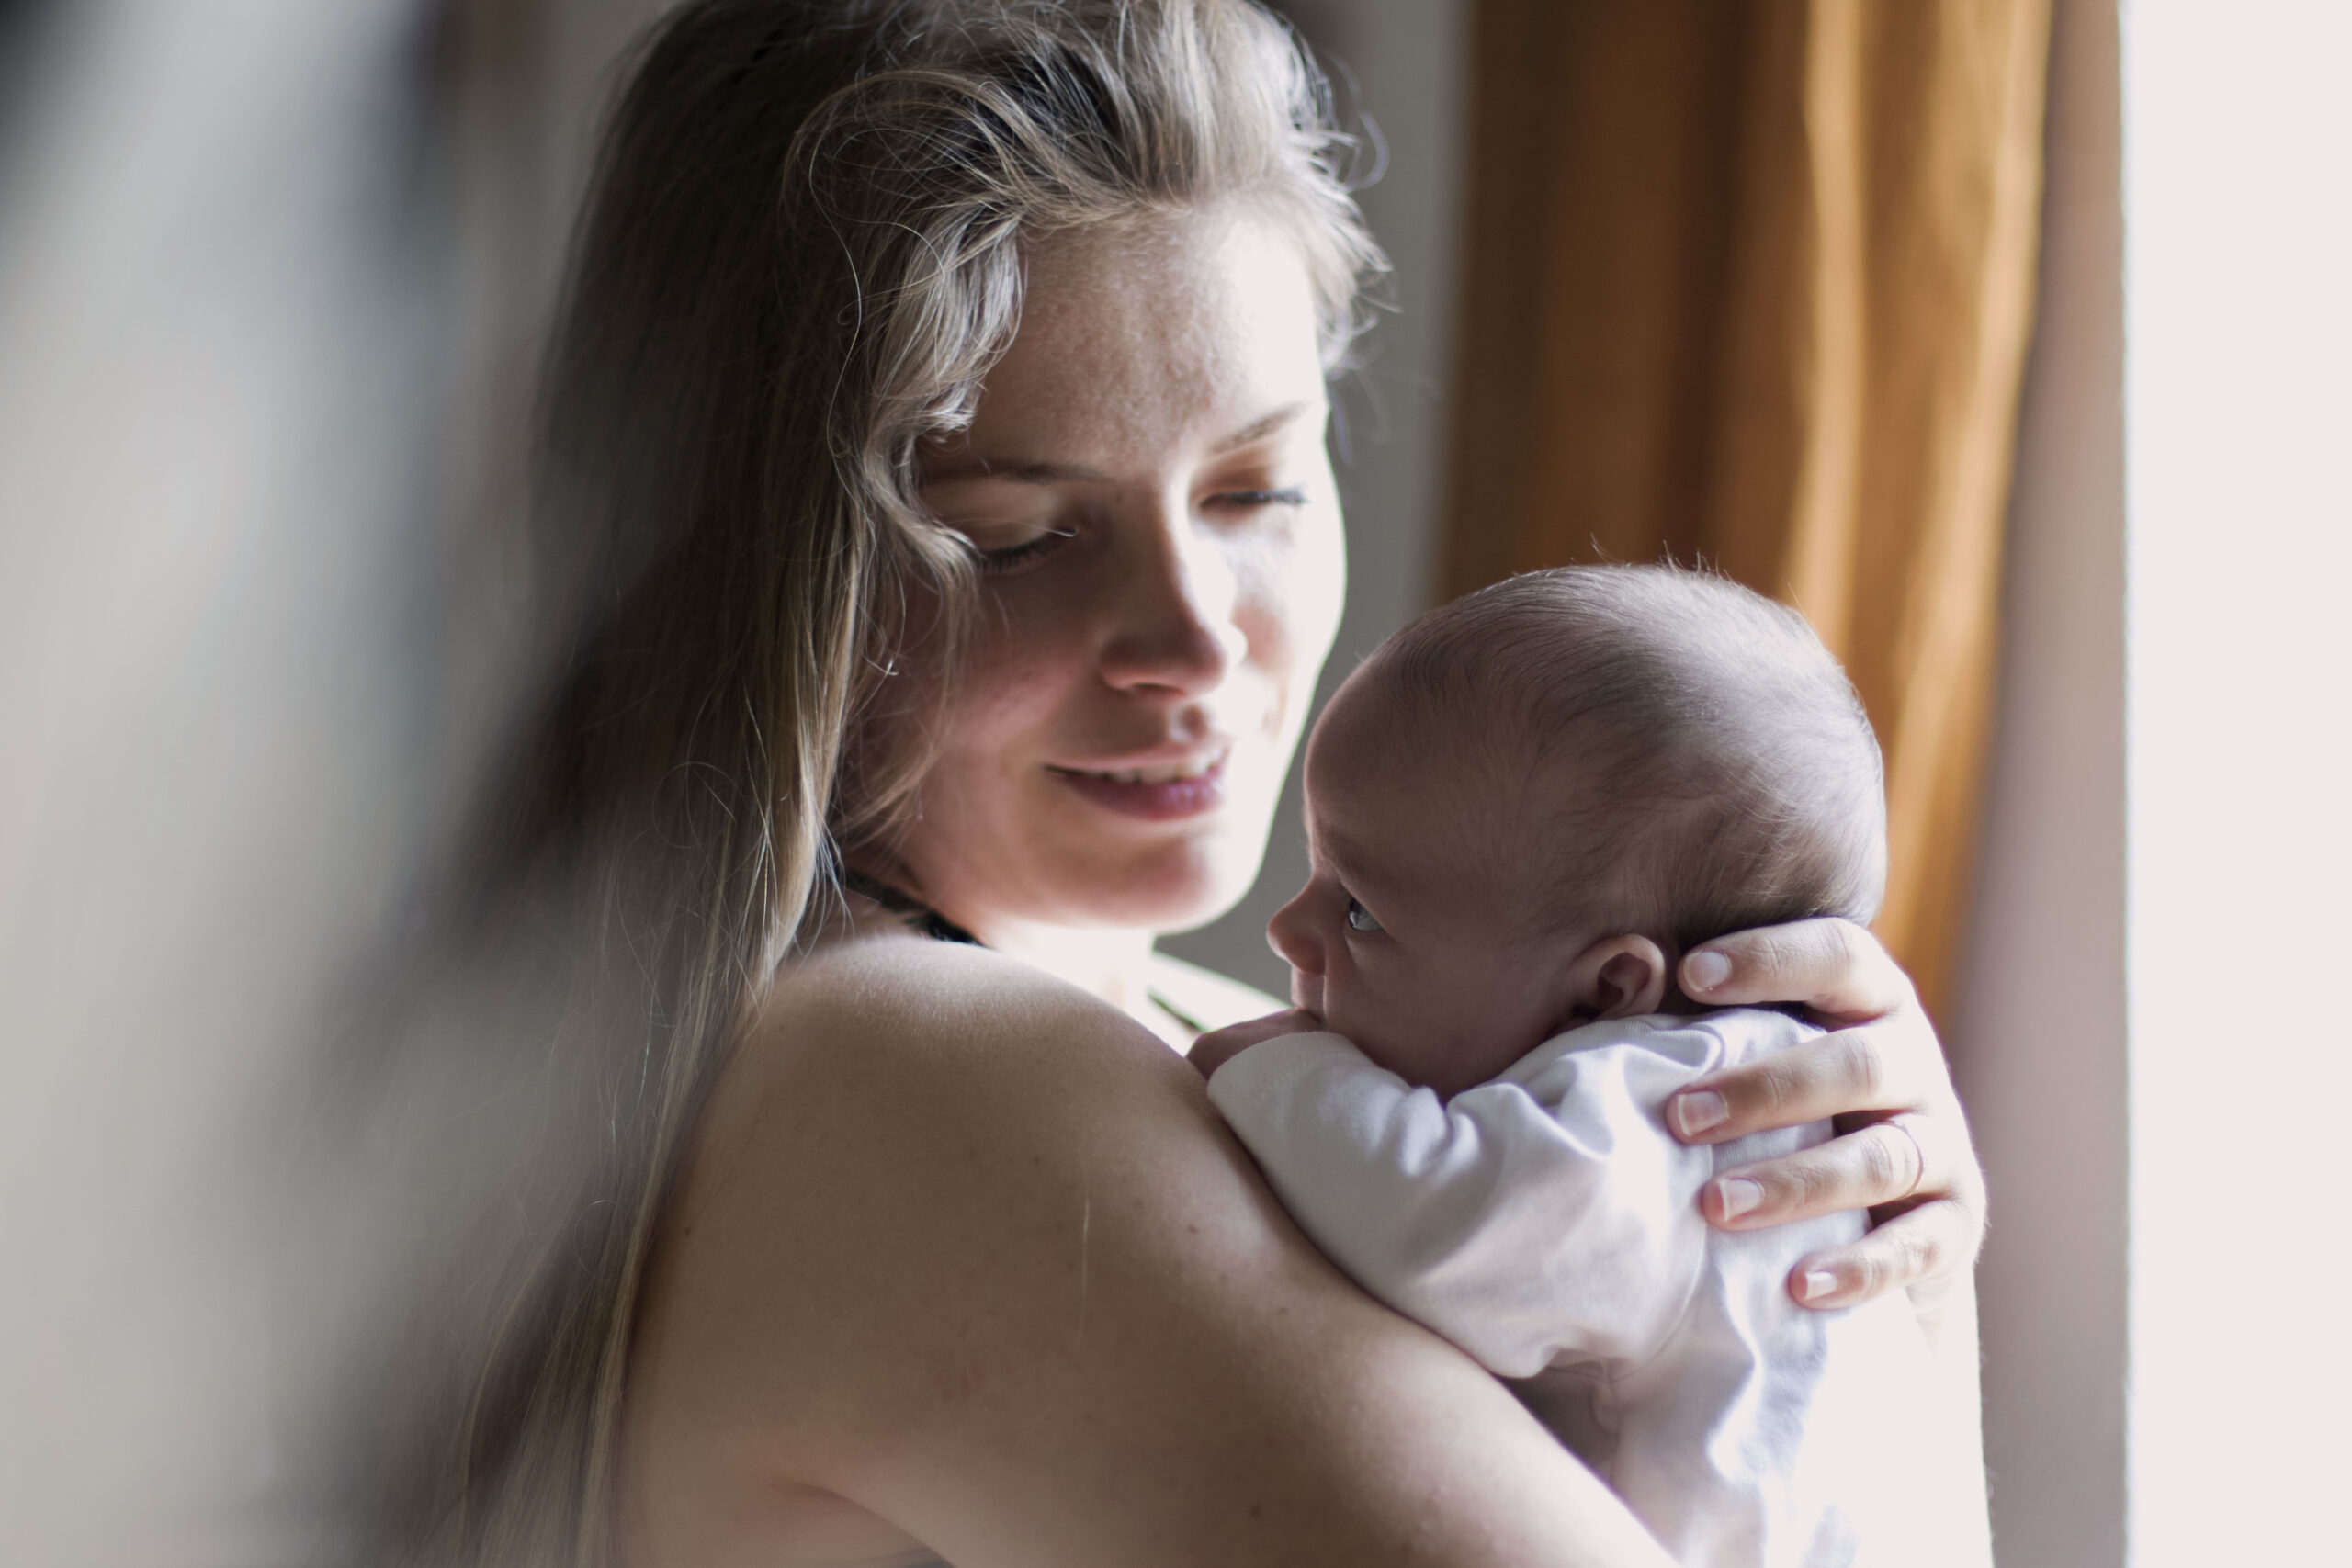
928,921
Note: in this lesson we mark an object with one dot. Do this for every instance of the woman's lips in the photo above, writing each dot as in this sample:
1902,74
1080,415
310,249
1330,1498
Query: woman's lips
1165,792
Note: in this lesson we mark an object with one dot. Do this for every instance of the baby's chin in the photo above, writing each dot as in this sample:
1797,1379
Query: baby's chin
1432,1056
1365,1033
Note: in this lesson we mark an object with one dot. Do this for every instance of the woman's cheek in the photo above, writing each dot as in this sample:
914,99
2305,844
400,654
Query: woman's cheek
1016,661
1295,580
1319,581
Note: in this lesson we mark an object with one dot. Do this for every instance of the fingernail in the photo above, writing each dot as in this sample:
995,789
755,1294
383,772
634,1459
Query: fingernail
1706,970
1698,1111
1817,1283
1735,1195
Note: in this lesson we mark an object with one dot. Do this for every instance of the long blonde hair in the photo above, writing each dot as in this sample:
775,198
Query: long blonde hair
802,254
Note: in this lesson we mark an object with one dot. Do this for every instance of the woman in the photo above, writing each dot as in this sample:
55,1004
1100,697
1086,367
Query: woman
935,439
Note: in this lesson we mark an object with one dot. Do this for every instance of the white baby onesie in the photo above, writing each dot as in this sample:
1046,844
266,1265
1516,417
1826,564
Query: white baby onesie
1548,1223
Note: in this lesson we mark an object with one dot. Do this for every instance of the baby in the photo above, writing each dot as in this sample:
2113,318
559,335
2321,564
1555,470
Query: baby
1521,811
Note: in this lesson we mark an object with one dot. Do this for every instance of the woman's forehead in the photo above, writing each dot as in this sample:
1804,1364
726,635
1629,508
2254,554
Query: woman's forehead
1190,328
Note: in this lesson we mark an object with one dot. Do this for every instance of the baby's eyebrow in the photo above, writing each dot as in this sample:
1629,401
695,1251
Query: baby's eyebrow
1348,863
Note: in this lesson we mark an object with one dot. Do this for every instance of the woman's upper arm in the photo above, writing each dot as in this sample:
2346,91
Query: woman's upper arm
974,1253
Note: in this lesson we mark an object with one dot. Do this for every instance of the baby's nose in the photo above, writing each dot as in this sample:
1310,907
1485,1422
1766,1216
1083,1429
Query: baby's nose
1291,936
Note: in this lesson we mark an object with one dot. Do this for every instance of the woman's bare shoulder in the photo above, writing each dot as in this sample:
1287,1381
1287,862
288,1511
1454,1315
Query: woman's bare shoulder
905,1118
968,1250
906,1001
891,1035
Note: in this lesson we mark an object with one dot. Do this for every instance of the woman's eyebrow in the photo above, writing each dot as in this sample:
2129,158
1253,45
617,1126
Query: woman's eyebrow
971,467
1258,430
966,466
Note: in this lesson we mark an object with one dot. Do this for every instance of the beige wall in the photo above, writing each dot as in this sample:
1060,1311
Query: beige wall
2038,1033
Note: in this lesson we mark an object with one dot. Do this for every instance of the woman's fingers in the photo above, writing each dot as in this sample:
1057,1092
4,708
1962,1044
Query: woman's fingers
1881,1066
1833,966
1884,1163
1904,1153
1885,1167
1923,1249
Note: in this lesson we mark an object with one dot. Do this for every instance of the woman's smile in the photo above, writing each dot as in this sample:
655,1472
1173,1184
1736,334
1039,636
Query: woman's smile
1159,792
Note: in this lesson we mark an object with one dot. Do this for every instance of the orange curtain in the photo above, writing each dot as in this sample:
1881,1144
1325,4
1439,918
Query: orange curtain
1752,283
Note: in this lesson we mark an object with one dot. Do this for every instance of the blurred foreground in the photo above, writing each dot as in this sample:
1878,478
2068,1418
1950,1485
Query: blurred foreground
267,269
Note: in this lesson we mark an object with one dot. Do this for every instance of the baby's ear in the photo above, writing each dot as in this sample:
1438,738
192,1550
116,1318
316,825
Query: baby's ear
1618,976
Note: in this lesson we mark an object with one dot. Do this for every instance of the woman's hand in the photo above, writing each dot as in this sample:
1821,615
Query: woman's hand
1903,1152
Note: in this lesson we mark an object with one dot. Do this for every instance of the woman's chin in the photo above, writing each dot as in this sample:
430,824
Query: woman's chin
1176,890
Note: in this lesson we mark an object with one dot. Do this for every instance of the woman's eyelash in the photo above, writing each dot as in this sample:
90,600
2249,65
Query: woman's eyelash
1292,497
995,563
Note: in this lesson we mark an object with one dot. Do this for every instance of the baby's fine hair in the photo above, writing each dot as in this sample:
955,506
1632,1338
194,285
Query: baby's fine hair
1698,758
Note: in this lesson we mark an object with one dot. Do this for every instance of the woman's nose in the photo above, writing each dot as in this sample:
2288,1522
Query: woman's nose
1291,934
1175,616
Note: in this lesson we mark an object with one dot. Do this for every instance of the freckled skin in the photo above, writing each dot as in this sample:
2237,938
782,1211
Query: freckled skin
1170,608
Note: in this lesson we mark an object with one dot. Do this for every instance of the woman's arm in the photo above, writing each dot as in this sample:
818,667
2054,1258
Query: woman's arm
1905,1155
971,1250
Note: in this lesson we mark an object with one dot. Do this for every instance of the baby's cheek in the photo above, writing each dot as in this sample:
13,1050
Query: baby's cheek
1307,991
1347,999
1465,1028
1392,1025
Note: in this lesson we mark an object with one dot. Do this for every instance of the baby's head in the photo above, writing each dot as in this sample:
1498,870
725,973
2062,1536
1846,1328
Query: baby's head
1527,805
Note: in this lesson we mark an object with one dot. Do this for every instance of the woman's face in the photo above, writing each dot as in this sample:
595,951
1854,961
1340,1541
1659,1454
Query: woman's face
1162,571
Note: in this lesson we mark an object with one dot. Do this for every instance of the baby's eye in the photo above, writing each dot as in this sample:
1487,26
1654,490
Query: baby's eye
1360,919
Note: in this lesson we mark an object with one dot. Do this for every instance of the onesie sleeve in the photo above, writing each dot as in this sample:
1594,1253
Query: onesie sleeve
1544,1216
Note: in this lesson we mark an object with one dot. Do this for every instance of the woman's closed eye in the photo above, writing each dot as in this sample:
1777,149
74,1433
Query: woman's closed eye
1008,558
1251,499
